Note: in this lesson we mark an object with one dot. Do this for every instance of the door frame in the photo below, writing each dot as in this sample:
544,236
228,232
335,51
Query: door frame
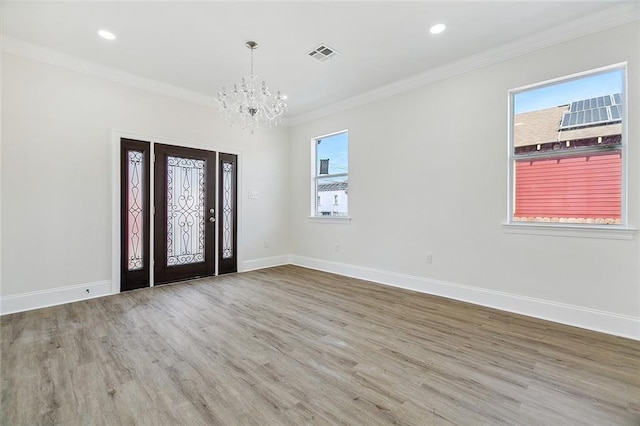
116,135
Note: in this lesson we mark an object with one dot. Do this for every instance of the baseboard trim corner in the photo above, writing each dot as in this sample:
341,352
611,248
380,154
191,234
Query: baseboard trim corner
57,296
577,316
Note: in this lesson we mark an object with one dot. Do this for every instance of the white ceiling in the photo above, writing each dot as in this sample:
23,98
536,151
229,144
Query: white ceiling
199,46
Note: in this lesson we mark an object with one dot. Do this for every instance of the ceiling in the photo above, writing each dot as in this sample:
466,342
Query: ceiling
199,46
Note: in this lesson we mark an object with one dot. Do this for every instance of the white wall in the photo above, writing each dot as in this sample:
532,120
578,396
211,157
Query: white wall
56,171
440,152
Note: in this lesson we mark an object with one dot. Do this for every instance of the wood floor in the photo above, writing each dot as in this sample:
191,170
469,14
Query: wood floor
293,346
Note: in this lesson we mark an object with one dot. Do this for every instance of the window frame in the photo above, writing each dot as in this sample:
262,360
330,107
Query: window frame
615,231
314,217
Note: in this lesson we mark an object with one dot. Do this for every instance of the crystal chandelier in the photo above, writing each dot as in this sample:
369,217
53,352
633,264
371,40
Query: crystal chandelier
251,102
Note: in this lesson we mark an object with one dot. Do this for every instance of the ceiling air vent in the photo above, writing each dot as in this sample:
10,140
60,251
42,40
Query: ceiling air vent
323,53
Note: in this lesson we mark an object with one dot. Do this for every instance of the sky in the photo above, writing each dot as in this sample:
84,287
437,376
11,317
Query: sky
336,149
564,93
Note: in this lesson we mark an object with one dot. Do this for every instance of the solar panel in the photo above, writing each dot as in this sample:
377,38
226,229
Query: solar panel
588,112
616,112
599,102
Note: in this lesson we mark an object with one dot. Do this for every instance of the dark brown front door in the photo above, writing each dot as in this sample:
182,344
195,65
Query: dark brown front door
184,213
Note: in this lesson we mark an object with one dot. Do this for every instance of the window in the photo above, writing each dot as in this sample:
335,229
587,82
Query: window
567,150
331,175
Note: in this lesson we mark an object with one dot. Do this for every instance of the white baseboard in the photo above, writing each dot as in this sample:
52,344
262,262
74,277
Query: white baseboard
61,295
57,296
264,262
591,319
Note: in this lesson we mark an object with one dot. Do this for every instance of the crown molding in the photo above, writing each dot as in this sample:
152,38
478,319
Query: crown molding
53,57
612,17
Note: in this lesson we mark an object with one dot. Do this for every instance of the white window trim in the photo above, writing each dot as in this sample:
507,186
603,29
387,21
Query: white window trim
611,232
330,219
622,231
313,218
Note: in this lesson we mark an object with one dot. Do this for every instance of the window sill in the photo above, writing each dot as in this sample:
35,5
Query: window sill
330,219
612,232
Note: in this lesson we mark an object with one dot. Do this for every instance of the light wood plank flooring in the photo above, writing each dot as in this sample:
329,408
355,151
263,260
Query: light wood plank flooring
293,346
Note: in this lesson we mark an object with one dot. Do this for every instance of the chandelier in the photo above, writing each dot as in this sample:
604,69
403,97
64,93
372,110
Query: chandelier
251,102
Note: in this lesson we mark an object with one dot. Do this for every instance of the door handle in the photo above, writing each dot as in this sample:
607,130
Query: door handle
212,219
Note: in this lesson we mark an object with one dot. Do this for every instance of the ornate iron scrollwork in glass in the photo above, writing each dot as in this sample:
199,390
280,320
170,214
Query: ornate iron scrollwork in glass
185,211
227,210
135,210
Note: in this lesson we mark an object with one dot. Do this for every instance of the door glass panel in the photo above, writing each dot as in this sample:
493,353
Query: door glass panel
227,210
134,210
185,211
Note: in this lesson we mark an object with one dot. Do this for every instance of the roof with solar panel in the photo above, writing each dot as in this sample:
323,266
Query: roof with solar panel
586,118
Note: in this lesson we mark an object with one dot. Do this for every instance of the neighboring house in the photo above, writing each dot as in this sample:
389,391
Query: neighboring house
570,186
332,199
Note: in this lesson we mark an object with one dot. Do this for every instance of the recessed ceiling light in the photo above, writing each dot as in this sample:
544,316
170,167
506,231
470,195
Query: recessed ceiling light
437,29
106,35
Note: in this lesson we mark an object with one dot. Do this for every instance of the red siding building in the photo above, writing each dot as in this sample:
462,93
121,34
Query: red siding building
587,187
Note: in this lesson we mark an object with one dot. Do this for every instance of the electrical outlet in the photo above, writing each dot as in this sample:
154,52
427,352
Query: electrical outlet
336,247
266,244
428,258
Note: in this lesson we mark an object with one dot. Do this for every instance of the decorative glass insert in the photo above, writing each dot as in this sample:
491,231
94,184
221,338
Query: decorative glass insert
134,210
185,211
227,210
